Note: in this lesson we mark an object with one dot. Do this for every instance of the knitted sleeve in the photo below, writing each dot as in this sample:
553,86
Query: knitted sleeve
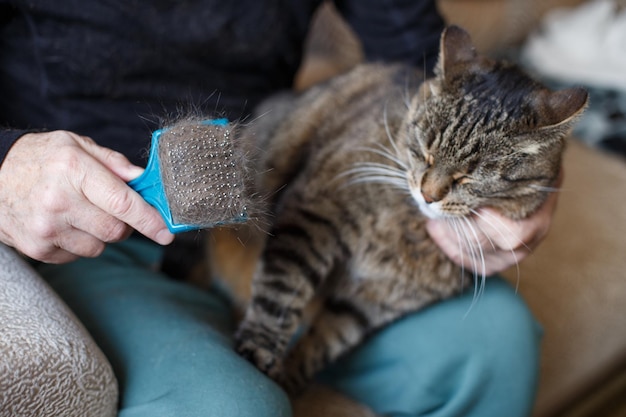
7,139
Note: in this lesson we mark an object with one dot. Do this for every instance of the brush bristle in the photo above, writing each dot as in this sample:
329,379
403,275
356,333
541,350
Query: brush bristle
203,174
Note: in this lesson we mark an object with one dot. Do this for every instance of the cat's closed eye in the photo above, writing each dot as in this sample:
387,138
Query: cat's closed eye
461,179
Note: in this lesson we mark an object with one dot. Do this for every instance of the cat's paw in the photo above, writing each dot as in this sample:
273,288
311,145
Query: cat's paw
264,358
294,383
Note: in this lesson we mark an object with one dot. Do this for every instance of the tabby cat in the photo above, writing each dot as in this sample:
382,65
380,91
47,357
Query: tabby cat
356,165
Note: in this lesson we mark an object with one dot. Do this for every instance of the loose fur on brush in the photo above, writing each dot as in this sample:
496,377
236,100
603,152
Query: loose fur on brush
203,173
352,169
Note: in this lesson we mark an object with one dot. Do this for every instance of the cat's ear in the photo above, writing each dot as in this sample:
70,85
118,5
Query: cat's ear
428,89
456,52
559,108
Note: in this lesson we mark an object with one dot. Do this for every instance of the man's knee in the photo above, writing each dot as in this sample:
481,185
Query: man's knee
240,394
479,356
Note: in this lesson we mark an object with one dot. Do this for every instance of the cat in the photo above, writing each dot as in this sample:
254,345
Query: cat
352,169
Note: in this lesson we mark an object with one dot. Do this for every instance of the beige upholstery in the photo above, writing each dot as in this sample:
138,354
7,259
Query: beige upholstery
49,365
575,283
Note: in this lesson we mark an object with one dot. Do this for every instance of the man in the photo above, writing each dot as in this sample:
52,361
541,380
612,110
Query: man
82,85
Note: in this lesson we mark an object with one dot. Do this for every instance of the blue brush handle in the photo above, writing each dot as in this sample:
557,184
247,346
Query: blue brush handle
150,186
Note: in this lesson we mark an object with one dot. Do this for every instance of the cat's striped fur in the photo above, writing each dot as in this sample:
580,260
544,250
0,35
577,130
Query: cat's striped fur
354,166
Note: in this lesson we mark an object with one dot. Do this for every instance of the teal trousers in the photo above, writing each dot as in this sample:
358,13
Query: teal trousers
170,346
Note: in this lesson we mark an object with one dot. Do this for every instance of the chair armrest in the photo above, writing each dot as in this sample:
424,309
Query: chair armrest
49,365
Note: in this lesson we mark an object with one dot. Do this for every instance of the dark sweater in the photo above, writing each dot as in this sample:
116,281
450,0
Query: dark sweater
115,69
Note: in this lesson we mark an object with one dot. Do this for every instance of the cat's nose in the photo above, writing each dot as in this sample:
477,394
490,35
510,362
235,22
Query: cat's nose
435,186
429,198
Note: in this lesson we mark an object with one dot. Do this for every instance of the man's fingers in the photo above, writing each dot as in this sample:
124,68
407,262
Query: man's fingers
98,223
44,251
499,261
493,243
63,196
505,234
509,234
79,243
69,246
113,160
111,194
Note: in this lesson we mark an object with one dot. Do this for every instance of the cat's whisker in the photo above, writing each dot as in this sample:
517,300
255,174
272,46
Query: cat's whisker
407,99
492,243
384,152
478,253
545,189
500,223
389,134
491,223
466,242
473,253
387,129
374,172
387,154
407,95
379,179
373,177
453,223
377,167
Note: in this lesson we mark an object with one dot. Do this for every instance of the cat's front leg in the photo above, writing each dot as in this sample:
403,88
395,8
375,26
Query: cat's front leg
270,321
272,317
300,252
261,349
341,325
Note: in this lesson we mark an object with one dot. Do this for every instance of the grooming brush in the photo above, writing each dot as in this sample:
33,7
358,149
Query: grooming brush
194,176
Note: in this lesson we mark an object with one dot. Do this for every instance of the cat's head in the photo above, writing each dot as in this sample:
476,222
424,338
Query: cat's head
482,133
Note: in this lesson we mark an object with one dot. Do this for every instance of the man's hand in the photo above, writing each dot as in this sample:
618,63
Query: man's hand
62,196
501,241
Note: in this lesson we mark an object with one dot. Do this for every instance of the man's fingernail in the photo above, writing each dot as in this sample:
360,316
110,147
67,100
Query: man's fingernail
164,237
134,171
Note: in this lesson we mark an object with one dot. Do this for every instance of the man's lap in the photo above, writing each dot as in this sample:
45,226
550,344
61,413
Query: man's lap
168,342
170,346
460,357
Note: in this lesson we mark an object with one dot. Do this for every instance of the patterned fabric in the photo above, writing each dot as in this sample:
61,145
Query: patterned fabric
49,365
